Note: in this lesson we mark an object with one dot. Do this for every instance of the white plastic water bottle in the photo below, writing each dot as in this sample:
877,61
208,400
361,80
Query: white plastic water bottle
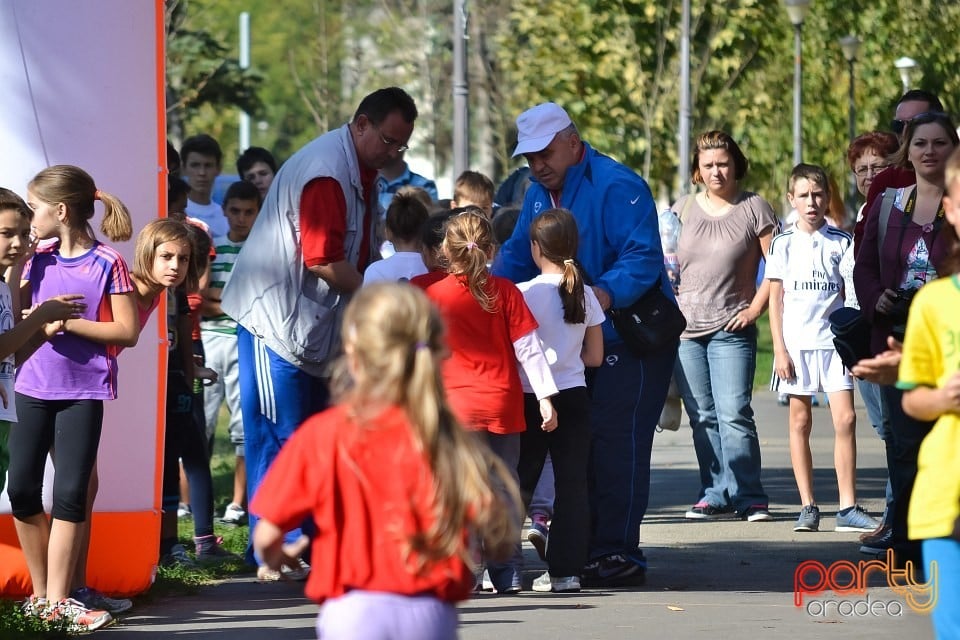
669,239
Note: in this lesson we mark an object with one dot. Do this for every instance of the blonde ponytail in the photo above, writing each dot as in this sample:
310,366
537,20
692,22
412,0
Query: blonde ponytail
116,223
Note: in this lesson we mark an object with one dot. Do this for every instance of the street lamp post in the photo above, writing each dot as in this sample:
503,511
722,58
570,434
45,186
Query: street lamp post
850,45
797,10
685,98
905,65
461,91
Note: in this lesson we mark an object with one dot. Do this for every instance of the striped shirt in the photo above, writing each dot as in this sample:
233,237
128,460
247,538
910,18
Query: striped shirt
220,271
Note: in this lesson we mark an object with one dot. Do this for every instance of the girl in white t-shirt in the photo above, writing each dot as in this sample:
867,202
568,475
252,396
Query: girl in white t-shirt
405,218
569,318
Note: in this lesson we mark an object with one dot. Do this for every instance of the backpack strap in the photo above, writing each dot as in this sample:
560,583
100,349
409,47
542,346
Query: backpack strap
886,206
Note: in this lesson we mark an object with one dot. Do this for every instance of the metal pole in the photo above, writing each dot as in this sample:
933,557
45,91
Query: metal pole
852,106
797,94
852,113
244,64
685,99
461,123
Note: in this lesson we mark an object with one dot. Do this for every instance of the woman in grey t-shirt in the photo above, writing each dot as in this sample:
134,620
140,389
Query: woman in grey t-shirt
726,232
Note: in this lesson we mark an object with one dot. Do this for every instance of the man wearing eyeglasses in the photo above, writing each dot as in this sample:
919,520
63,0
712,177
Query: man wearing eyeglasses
910,105
303,259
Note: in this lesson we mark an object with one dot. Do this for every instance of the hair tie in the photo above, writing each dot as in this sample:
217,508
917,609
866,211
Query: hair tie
97,194
420,345
471,245
568,262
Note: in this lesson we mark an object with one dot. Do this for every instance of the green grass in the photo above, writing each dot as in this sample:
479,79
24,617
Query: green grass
14,624
761,379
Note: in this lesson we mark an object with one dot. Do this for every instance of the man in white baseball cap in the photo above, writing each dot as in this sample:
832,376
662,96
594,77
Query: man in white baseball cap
537,126
549,140
620,253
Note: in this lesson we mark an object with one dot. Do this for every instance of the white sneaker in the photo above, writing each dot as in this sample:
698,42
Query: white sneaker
34,607
234,514
78,617
486,584
548,584
298,575
184,511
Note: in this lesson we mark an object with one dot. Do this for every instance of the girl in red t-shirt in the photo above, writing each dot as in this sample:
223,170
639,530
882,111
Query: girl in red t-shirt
393,482
489,330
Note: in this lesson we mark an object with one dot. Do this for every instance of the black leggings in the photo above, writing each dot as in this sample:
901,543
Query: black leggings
569,447
186,440
70,431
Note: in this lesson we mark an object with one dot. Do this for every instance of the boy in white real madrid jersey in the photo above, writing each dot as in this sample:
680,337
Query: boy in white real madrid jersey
805,288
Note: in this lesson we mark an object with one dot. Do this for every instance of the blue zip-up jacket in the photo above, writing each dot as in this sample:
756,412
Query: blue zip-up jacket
619,236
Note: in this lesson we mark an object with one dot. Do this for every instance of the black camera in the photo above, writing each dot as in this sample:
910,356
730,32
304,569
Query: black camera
899,311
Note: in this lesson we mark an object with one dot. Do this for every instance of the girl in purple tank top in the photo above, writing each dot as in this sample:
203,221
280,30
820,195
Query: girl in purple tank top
60,390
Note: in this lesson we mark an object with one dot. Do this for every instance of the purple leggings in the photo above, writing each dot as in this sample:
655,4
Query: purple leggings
372,615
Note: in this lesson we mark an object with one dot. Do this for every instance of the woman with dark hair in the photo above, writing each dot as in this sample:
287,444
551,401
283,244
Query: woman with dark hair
903,249
726,231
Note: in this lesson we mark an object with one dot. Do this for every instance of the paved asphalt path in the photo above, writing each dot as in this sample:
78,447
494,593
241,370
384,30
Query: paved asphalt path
728,579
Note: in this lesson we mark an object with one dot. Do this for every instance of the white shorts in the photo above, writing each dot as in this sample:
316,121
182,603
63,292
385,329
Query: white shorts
817,370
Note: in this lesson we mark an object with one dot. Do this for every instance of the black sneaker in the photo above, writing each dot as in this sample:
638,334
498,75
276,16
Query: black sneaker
878,545
706,511
615,570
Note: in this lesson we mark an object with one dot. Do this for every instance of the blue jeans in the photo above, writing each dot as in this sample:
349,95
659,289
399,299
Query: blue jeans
715,379
877,414
627,396
876,409
275,398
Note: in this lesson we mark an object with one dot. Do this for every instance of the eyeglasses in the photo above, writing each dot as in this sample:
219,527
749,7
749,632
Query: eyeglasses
869,169
390,142
897,126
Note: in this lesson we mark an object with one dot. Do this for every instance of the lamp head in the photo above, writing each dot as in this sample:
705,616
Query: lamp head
905,63
850,45
797,10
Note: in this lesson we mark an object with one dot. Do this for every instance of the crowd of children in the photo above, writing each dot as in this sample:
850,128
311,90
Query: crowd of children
468,458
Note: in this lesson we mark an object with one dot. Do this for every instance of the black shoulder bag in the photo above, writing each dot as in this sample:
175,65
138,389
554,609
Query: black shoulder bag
651,324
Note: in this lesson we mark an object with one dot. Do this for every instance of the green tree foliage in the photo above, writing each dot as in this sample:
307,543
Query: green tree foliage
199,73
318,58
615,65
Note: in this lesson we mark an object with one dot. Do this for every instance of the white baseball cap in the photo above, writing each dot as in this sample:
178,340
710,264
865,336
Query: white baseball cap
537,126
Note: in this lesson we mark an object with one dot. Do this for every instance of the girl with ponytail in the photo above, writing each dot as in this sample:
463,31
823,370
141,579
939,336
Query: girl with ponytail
569,318
395,485
490,331
60,390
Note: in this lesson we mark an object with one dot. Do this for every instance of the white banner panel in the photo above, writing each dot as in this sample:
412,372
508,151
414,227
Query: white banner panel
83,85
